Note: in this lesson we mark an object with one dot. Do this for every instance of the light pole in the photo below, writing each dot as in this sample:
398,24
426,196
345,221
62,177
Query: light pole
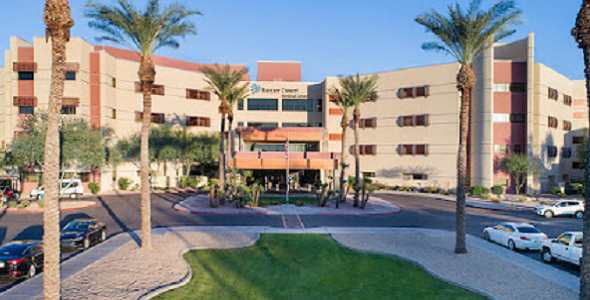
582,35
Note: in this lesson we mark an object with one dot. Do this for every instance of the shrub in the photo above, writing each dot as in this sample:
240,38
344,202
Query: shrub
299,203
452,192
521,199
476,190
94,188
485,196
555,191
12,204
529,195
543,202
135,187
486,190
496,200
497,190
275,202
41,203
25,203
574,188
124,183
263,203
380,186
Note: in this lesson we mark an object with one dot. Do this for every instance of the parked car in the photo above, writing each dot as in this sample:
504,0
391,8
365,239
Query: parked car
515,236
21,258
567,247
82,233
70,188
562,208
8,192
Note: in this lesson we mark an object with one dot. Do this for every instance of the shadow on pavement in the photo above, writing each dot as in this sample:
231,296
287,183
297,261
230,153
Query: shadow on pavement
121,224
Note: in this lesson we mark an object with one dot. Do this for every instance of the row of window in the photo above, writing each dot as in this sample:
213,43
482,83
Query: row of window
418,149
509,118
368,123
552,152
276,125
30,110
413,120
553,94
413,92
552,122
160,118
513,87
505,149
28,76
309,105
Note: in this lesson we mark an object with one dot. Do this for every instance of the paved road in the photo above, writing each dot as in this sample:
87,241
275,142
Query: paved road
121,213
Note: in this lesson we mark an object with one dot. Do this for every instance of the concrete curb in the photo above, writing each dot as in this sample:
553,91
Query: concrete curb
37,211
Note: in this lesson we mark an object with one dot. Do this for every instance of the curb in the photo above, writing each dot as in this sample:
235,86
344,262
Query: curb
37,211
218,213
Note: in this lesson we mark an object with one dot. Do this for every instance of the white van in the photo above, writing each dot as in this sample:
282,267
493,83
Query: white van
70,188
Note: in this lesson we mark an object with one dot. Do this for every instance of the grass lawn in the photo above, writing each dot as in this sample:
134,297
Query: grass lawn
307,267
292,199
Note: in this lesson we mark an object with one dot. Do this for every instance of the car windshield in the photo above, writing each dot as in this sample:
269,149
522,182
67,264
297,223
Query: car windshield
77,226
528,230
13,249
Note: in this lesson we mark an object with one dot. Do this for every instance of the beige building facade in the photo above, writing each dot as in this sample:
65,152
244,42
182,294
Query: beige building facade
409,133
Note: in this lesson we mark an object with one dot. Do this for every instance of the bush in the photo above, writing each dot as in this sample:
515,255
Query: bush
12,204
299,203
380,186
521,199
135,187
274,202
496,200
124,183
25,203
574,188
485,196
476,190
555,191
263,203
452,192
94,188
485,191
41,203
497,190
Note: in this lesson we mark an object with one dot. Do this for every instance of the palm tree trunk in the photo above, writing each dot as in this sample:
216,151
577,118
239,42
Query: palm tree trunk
465,84
58,20
582,35
222,153
147,75
344,125
357,161
230,119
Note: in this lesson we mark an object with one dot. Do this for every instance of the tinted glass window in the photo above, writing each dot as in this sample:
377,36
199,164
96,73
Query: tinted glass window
509,228
70,75
26,76
263,104
528,230
77,226
565,239
13,249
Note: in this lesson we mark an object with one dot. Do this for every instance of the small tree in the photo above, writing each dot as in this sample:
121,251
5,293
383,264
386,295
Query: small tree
520,166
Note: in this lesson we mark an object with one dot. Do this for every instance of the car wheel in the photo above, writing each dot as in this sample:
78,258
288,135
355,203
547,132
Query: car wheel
103,235
546,255
86,243
38,197
486,236
580,215
548,214
32,271
511,245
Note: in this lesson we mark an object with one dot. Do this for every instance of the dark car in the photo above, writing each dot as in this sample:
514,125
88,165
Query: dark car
21,258
83,233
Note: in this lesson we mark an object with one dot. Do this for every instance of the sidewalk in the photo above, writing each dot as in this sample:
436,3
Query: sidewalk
199,204
471,202
118,269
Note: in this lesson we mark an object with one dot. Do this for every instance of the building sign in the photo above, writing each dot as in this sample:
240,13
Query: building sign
284,92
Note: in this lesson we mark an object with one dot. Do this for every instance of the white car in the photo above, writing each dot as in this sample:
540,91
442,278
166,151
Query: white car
567,247
562,208
71,188
515,236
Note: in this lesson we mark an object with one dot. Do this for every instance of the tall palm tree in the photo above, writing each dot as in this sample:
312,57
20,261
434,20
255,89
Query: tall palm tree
343,101
145,32
237,94
223,81
59,21
464,35
361,91
582,35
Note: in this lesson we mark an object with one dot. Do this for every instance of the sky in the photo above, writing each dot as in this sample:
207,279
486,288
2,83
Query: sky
329,37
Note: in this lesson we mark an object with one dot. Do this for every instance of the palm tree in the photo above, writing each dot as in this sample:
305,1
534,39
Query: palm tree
582,35
237,94
464,35
223,81
145,32
343,101
59,21
361,91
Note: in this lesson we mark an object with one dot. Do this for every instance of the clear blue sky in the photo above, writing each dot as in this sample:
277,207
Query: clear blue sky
329,37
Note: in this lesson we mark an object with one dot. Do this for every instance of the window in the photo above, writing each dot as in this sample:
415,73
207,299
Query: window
565,239
407,121
298,105
501,149
517,149
514,87
369,123
114,82
114,113
501,181
26,110
501,118
414,176
567,125
70,75
157,89
368,174
263,104
421,120
517,118
552,122
289,125
414,120
319,105
198,121
577,139
198,94
551,151
240,124
241,104
26,75
419,149
263,124
157,118
413,92
577,165
566,152
68,110
553,94
368,149
333,99
567,100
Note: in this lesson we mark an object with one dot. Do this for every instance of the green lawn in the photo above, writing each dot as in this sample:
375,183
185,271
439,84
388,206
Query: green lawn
307,267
